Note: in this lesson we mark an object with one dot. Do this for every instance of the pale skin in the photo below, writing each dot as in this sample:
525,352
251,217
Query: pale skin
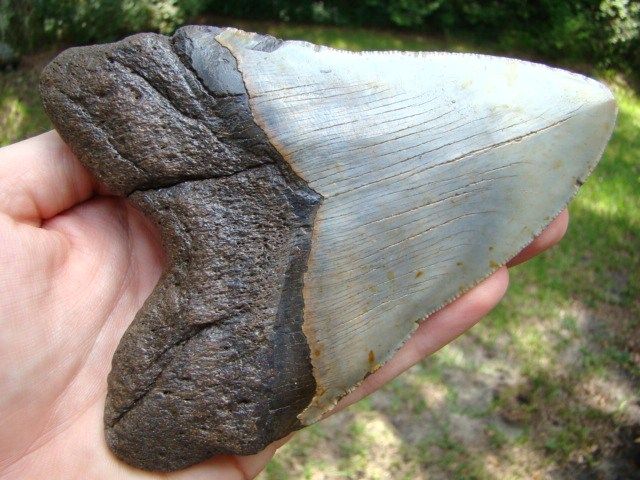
75,266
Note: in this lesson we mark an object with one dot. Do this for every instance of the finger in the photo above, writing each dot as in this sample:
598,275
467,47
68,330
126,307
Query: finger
229,467
252,465
432,334
40,178
222,468
435,332
547,239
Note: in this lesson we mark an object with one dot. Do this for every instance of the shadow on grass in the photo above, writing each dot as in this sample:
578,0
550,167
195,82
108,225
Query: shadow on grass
481,410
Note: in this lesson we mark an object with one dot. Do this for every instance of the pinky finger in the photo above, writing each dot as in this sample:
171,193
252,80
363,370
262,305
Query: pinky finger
547,239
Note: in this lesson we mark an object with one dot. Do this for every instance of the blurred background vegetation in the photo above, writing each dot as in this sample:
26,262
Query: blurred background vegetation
547,386
605,33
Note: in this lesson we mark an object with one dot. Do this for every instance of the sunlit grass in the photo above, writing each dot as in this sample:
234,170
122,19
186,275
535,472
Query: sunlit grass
356,39
21,113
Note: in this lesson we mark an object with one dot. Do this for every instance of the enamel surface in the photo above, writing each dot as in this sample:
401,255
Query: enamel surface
435,170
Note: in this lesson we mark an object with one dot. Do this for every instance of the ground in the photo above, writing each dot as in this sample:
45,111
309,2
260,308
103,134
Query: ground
547,386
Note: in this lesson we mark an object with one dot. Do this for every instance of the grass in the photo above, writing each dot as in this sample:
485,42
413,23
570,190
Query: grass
546,386
21,113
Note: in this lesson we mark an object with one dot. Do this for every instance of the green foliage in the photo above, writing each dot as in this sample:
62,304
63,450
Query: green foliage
30,24
605,33
411,13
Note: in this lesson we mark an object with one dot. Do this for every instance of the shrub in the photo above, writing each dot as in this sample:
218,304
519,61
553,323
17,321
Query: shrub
605,33
29,24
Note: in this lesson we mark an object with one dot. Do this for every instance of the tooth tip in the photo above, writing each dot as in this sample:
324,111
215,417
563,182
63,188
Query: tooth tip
602,95
602,103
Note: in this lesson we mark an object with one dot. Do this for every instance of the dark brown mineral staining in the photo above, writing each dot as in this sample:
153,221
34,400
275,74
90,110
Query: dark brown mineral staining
166,122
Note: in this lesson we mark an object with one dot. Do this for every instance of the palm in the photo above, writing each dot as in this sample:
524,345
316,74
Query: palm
75,266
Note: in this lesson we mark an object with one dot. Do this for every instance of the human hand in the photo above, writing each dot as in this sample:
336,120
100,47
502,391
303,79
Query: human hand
75,267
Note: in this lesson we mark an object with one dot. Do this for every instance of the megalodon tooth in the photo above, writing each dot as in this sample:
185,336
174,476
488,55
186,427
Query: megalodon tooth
314,204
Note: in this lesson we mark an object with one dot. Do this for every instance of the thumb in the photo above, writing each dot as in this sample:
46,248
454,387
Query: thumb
40,177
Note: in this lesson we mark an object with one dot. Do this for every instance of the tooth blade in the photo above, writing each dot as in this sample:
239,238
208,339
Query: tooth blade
435,170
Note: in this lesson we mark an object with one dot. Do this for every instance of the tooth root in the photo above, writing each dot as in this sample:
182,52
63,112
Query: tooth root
215,362
435,170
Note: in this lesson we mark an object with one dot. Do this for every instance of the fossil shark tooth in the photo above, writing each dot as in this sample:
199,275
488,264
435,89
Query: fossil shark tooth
315,205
